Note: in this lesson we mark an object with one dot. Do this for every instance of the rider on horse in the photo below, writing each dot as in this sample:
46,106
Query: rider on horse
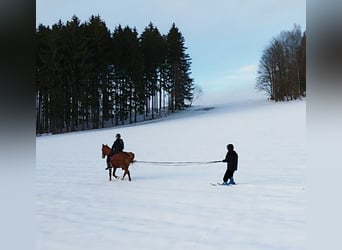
117,147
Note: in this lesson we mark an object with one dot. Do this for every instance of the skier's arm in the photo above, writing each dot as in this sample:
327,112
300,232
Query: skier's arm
225,159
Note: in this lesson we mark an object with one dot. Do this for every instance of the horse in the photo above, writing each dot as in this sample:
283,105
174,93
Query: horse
118,160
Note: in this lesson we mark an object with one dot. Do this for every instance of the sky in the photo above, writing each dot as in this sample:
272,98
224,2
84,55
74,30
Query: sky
225,38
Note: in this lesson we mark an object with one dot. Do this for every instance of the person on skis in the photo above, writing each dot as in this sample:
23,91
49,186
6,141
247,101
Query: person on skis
117,147
232,163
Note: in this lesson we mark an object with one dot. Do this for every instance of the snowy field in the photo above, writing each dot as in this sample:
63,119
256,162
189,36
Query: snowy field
175,207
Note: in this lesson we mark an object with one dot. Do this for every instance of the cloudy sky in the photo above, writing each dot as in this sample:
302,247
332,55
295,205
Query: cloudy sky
225,38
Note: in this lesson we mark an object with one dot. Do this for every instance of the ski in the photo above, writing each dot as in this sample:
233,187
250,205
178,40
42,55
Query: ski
218,184
221,184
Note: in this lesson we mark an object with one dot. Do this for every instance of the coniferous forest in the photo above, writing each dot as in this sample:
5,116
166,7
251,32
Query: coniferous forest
89,77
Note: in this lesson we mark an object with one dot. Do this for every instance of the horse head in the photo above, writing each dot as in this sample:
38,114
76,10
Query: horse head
105,150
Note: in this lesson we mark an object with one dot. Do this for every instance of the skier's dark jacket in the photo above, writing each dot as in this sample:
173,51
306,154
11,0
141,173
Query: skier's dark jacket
232,160
118,146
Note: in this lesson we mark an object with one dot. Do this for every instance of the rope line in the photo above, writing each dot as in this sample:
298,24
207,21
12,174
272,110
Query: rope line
178,163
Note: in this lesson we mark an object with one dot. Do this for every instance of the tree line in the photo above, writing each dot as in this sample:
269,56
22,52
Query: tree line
89,77
282,68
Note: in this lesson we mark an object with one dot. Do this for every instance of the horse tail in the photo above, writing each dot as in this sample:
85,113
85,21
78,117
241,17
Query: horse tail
130,158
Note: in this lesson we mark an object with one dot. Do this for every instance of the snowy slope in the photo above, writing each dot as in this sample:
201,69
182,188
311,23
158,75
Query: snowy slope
175,207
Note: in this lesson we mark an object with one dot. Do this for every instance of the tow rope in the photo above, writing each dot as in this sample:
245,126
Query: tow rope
177,163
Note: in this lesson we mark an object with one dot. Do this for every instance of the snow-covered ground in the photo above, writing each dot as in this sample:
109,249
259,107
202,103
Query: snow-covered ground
175,207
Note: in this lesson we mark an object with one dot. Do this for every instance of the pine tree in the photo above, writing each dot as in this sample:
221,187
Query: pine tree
51,70
76,54
42,79
180,84
98,40
154,53
128,67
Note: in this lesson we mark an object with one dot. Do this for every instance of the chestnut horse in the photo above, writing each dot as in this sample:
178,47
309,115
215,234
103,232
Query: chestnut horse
119,160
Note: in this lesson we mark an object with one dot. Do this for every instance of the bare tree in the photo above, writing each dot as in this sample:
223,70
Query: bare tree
197,92
279,69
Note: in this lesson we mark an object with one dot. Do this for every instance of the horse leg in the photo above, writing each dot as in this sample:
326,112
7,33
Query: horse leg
110,174
114,173
123,177
129,175
126,173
